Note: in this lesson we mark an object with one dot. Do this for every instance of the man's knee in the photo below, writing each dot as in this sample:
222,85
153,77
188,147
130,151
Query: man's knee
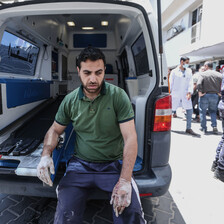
71,205
68,215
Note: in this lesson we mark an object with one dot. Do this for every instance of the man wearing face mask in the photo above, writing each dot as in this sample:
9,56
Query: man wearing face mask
181,88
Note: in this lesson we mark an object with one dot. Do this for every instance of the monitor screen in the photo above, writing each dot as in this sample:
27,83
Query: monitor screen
95,40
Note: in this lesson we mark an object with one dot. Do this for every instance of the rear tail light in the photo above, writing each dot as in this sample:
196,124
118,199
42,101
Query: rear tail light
163,113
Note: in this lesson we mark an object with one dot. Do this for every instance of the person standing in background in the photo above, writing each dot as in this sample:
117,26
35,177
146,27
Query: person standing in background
209,85
194,96
168,76
181,88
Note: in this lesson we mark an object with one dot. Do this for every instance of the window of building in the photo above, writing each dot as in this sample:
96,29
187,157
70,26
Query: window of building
18,56
196,24
196,15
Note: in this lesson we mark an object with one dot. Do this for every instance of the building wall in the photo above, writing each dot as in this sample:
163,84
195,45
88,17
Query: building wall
212,22
176,13
211,32
174,46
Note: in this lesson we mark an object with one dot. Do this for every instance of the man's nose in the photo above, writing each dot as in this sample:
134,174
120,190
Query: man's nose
92,78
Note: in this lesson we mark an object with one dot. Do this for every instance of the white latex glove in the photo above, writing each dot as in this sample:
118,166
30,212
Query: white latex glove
121,196
44,168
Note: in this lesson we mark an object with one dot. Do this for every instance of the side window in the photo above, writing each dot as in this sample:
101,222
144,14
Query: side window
17,55
140,56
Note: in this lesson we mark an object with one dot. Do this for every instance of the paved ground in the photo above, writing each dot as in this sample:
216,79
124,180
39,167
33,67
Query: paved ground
33,210
197,194
194,196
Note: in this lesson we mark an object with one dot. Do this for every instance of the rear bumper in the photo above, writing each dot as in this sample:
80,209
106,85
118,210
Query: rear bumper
27,186
156,183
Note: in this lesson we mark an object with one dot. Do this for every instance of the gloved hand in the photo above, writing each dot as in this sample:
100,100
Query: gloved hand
44,168
121,196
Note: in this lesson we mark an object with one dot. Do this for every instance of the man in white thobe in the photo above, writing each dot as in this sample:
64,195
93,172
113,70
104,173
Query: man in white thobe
181,88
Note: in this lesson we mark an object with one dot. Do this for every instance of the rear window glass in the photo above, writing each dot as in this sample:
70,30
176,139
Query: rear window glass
140,56
17,55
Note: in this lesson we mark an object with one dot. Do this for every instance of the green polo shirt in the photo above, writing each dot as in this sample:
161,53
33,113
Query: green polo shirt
96,122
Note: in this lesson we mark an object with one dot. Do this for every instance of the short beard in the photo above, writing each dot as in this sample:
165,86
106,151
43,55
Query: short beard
91,90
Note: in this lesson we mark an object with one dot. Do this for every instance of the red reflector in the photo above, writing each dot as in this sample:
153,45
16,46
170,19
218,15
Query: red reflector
109,79
0,156
144,195
162,126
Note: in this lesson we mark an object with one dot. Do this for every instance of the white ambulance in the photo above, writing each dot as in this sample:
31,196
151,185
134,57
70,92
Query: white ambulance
39,43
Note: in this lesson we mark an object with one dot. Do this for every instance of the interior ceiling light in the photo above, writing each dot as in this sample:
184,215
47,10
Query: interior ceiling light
71,23
104,23
124,20
88,28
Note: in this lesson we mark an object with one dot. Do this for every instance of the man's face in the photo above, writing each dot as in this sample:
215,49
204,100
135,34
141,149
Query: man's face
186,62
205,67
91,74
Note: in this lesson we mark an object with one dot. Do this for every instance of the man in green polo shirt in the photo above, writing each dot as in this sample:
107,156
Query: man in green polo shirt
103,119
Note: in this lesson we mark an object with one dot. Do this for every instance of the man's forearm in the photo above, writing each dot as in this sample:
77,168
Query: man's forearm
50,142
129,158
200,94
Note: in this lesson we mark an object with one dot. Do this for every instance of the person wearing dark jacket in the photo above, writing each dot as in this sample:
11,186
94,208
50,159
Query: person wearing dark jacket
209,84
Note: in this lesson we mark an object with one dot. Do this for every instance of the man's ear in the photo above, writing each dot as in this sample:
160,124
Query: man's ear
78,69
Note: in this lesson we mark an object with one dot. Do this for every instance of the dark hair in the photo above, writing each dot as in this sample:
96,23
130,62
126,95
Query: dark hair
184,58
209,64
90,53
217,68
193,70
